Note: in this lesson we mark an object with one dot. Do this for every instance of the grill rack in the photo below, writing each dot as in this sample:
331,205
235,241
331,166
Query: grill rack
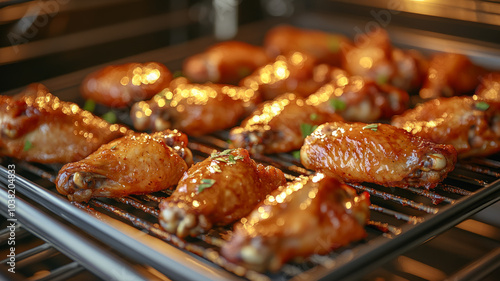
400,219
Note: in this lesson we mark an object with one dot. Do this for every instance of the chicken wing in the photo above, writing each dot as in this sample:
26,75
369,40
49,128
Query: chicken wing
134,164
291,73
374,57
470,124
122,85
323,46
450,75
359,99
312,215
279,125
489,87
36,126
226,62
377,153
217,191
195,109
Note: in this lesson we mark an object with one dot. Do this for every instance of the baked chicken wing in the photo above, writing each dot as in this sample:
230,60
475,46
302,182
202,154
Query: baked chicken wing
122,85
359,99
325,47
134,164
279,125
291,73
226,62
36,126
377,153
489,88
217,191
194,109
450,75
312,215
372,56
470,124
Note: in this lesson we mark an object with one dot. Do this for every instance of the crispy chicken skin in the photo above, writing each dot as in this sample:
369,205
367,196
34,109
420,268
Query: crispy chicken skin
217,191
376,153
449,75
226,62
195,109
489,88
38,127
279,125
359,99
134,164
122,85
470,124
372,56
294,72
323,46
311,215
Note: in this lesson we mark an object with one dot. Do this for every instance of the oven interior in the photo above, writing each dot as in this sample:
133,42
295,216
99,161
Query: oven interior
452,232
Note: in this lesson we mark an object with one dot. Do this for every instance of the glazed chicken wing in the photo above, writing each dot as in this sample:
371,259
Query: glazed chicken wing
325,47
377,153
489,88
359,99
36,126
279,125
194,109
450,75
312,215
470,124
134,164
217,191
372,56
226,62
122,85
292,73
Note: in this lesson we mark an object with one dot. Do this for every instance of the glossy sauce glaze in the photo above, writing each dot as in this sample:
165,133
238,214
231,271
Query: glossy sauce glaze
134,164
121,85
377,153
37,126
217,191
311,215
195,109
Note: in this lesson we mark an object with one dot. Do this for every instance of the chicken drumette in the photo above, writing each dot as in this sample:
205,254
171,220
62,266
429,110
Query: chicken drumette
311,215
194,109
134,164
217,191
377,153
470,124
37,126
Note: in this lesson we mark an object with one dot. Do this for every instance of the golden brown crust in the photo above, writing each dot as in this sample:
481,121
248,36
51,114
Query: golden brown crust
312,215
121,85
377,153
134,164
217,191
37,126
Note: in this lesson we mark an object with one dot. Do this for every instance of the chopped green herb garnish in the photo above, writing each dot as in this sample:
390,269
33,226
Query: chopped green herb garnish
205,183
373,127
244,72
113,147
89,105
27,145
313,116
231,159
307,129
382,79
482,105
229,142
177,73
333,43
110,117
337,104
296,154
